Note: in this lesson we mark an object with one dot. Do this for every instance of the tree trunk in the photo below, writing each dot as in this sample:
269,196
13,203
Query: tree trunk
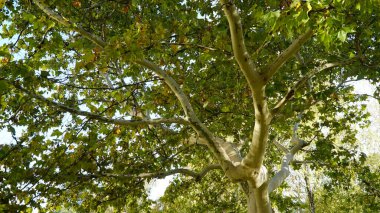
310,195
258,199
251,201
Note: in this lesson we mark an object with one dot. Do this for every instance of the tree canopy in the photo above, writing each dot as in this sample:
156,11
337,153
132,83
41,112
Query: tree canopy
102,96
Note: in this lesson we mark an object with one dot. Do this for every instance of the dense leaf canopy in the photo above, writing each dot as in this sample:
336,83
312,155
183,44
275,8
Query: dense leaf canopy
93,94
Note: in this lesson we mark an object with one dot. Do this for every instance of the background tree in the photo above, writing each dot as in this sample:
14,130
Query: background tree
109,94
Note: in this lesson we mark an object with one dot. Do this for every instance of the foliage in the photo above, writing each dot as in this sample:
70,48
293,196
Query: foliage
345,197
97,121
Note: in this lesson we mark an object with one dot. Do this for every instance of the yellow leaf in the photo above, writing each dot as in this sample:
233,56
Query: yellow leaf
162,62
308,6
66,137
103,69
2,3
174,48
298,5
4,60
117,131
182,39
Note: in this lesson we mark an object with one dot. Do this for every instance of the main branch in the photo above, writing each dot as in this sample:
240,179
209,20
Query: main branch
286,54
240,50
252,162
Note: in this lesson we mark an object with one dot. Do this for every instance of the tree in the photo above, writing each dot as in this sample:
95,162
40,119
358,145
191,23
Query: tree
112,93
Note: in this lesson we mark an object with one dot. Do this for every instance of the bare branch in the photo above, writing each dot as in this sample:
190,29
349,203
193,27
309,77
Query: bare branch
286,54
98,117
310,194
290,94
239,48
307,162
174,86
192,45
195,140
107,78
281,175
280,146
105,88
62,20
214,143
368,96
183,171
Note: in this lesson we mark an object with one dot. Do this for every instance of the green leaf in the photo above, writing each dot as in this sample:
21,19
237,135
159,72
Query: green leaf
4,53
12,130
44,74
357,6
342,35
57,133
4,86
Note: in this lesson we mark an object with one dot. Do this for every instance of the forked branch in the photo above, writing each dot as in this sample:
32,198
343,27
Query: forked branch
240,50
255,156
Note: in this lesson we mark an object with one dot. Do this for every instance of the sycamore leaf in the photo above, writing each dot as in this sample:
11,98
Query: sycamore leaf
12,130
342,35
3,85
